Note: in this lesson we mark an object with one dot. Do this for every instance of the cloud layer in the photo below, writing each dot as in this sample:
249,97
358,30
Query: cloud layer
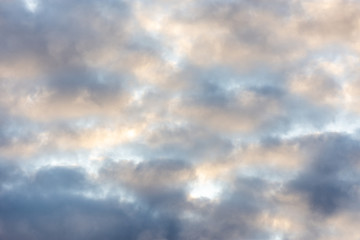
182,120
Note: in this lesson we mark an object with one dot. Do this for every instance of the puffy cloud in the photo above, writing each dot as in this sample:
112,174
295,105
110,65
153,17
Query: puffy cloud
150,199
179,120
329,183
49,205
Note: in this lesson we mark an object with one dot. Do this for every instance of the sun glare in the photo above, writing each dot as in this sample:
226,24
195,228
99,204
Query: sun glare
31,5
205,189
130,133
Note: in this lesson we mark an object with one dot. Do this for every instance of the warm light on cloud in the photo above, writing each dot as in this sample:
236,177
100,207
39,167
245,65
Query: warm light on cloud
205,189
179,120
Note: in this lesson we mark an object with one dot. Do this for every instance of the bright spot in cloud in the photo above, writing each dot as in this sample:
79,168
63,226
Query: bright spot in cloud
205,189
173,58
277,237
31,5
130,133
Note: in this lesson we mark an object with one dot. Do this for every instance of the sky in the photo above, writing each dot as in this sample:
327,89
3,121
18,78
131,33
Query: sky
179,120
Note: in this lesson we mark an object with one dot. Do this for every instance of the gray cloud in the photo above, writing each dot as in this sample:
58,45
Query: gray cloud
179,120
47,206
329,182
160,183
69,200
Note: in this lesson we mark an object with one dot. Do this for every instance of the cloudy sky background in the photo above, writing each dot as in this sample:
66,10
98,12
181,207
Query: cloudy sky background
179,120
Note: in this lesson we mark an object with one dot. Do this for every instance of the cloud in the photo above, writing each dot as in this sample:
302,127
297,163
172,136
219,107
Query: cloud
179,120
158,182
50,205
329,183
151,199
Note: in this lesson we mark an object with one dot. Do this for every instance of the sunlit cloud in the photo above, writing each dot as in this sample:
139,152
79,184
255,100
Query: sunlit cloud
184,120
31,5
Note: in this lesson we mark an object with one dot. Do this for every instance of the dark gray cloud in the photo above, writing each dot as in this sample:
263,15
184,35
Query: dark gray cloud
48,205
236,216
329,182
70,202
158,183
51,203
